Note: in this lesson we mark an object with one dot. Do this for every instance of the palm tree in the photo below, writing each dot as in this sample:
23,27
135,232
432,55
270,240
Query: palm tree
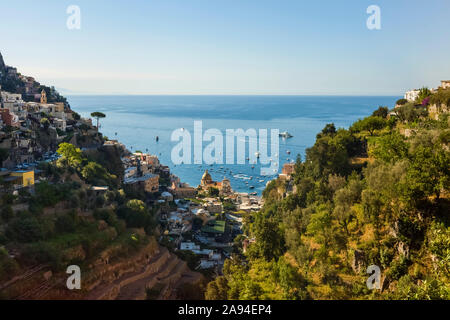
97,115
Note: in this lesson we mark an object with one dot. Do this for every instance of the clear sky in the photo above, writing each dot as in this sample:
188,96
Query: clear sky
229,46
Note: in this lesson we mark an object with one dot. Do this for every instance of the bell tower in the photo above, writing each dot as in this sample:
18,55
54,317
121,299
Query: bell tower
43,97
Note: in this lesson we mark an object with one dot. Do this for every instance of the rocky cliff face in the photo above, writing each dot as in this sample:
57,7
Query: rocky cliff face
2,64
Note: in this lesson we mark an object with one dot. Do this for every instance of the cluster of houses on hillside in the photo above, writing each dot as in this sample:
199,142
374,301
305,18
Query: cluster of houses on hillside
15,112
18,135
30,132
199,222
412,95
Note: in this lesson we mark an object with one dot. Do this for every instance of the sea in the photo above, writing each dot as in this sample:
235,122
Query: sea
136,121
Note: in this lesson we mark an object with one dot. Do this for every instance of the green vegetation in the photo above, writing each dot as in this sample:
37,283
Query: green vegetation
213,192
137,215
401,102
441,97
381,112
389,210
70,155
216,226
369,124
8,266
65,222
98,115
424,93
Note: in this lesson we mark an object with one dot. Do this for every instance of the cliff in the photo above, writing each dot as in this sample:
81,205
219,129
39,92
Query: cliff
2,64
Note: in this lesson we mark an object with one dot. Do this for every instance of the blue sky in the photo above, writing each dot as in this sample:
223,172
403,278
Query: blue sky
229,46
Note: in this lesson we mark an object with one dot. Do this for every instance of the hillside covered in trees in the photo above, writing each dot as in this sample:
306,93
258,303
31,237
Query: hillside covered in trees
375,194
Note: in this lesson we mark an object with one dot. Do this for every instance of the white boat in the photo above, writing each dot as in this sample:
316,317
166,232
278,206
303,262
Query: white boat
285,135
257,154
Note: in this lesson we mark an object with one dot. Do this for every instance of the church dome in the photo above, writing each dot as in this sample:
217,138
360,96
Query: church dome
206,177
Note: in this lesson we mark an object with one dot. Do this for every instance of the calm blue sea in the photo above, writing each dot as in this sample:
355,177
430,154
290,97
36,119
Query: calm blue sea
137,120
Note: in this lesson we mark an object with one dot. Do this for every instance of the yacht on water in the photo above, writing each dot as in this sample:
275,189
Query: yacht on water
285,135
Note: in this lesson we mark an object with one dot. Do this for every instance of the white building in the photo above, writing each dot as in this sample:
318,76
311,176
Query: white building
130,172
167,196
189,246
206,264
412,95
11,97
445,84
60,124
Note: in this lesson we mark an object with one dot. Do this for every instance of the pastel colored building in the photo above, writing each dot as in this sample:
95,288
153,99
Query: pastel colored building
26,178
445,84
412,95
8,118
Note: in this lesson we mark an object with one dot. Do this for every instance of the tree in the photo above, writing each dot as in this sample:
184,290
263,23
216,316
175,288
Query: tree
390,147
75,116
4,154
217,289
25,230
401,102
269,239
95,173
329,129
344,199
45,123
381,112
70,154
136,215
409,112
327,156
424,93
369,124
429,172
7,213
97,115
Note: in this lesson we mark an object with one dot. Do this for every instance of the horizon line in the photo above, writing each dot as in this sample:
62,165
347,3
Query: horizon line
233,94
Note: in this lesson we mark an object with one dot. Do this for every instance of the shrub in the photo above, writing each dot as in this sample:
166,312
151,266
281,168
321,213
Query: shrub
7,213
381,112
401,102
66,223
25,230
398,268
8,266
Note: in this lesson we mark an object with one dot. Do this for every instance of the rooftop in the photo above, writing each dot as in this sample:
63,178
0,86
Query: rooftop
140,179
216,226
